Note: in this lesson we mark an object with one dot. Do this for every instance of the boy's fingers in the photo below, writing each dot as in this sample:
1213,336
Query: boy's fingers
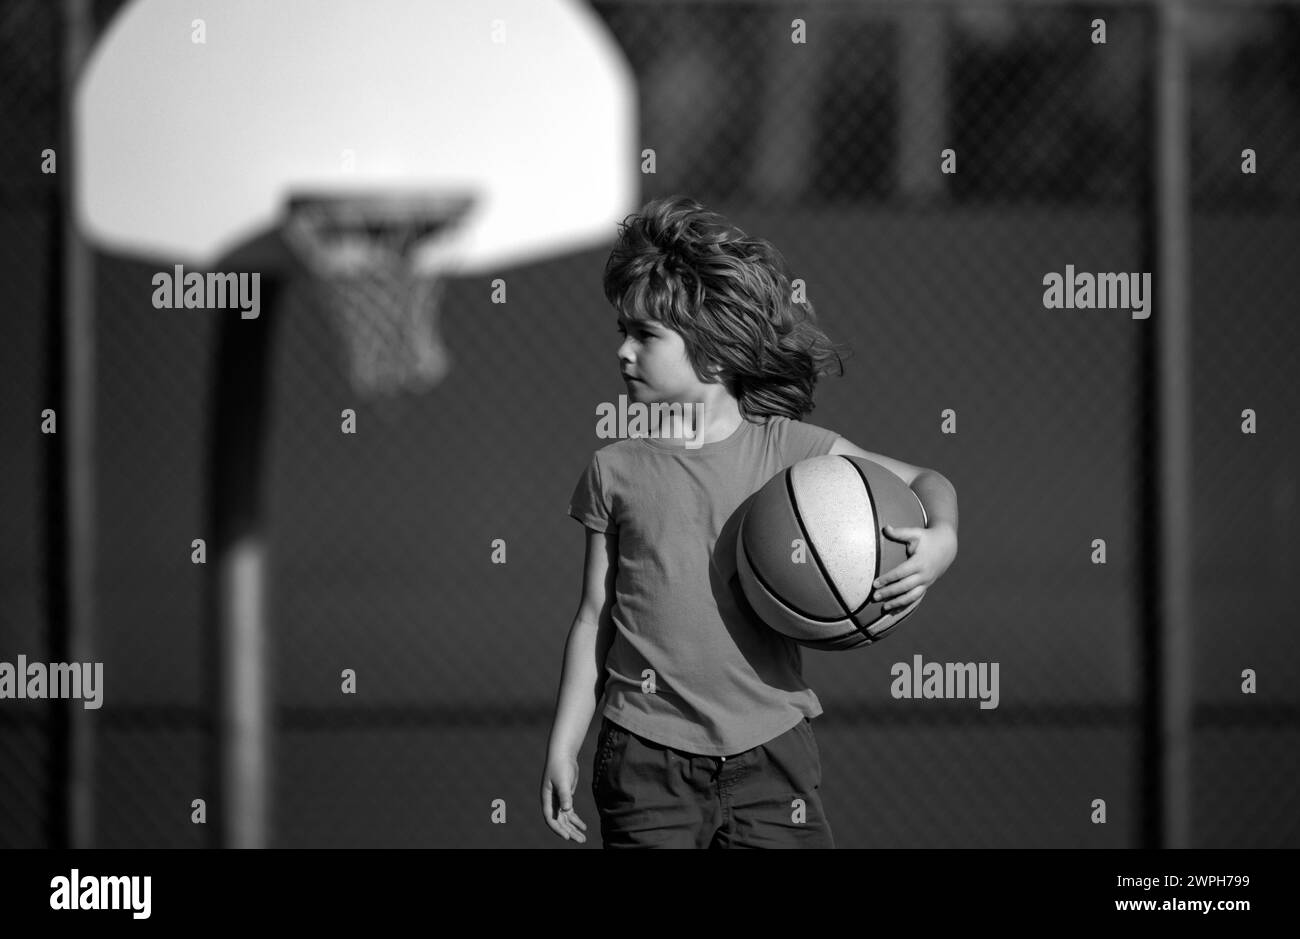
567,824
570,832
906,599
555,826
556,817
898,573
898,587
909,535
552,808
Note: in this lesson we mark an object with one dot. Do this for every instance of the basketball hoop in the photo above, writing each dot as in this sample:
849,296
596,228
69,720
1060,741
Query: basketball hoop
378,263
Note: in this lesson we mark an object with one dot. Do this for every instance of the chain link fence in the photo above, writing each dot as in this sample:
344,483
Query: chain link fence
382,543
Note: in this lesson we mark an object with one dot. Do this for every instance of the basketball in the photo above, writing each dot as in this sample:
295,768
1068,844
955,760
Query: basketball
811,545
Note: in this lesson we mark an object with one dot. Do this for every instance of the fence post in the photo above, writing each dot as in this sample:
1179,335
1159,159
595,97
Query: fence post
1169,486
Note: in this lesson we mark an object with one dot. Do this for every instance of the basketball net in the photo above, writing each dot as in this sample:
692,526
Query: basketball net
379,267
387,318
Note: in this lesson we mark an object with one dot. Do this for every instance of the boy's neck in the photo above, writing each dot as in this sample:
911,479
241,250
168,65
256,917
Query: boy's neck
712,421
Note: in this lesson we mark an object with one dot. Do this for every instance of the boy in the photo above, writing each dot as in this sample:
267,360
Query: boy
706,737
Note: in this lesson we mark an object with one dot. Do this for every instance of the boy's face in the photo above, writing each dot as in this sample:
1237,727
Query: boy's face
655,357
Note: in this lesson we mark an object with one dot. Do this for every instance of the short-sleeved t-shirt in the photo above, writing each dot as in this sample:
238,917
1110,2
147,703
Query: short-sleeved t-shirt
724,681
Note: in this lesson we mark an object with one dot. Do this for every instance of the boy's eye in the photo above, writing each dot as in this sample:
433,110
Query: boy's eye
643,335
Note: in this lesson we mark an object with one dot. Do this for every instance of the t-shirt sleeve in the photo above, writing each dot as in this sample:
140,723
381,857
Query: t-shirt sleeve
589,503
808,440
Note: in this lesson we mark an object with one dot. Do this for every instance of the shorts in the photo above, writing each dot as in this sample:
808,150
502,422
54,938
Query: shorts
652,796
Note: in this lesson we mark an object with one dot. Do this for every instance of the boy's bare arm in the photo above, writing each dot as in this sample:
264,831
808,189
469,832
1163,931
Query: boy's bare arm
939,498
583,677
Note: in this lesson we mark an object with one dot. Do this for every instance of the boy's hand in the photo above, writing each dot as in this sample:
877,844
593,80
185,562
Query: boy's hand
558,785
930,551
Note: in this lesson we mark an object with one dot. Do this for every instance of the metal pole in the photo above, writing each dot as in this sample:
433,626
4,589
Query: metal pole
76,416
238,691
1171,284
922,101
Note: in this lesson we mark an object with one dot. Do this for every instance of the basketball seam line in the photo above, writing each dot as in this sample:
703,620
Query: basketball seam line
858,628
781,601
812,548
777,598
875,514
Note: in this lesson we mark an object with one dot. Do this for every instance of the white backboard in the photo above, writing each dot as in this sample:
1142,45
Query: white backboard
186,148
